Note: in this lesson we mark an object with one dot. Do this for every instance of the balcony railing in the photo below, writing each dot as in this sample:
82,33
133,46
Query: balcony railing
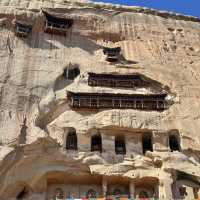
117,101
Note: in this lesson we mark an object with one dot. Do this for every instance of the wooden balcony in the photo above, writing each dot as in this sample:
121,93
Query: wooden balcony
117,101
117,81
56,25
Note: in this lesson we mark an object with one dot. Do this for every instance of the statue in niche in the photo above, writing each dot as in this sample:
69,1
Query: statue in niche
91,194
59,194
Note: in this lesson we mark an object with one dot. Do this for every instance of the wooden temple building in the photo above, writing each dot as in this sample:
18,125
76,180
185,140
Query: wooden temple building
56,25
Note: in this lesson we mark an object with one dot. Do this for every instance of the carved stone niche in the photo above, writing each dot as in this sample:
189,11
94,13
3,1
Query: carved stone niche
167,140
70,141
174,141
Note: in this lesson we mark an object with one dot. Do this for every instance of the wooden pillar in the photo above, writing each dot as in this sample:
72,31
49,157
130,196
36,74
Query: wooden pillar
157,106
164,106
72,102
134,103
132,189
113,103
90,102
142,103
104,187
79,102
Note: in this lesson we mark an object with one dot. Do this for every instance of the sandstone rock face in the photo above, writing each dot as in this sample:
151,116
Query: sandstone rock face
37,161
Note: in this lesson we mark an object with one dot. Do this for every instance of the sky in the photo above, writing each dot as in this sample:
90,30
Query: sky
188,7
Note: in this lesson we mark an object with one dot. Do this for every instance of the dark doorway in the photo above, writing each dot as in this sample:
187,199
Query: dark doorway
147,142
71,143
96,143
174,143
120,146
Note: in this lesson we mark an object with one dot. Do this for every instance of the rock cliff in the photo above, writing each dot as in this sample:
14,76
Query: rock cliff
35,110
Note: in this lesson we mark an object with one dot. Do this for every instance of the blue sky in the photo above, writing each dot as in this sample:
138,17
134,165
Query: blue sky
188,7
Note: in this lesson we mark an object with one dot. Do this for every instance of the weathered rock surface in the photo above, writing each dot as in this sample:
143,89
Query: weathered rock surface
161,46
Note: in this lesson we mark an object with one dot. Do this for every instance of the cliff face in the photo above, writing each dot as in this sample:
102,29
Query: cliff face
33,92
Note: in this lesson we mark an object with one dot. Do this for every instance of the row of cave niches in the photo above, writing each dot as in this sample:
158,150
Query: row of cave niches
71,142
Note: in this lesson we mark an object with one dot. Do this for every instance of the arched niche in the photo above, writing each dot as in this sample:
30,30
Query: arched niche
147,142
118,187
83,185
120,145
146,188
70,139
96,142
174,141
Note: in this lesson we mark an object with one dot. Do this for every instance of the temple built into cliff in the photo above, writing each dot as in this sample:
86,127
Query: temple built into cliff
98,101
